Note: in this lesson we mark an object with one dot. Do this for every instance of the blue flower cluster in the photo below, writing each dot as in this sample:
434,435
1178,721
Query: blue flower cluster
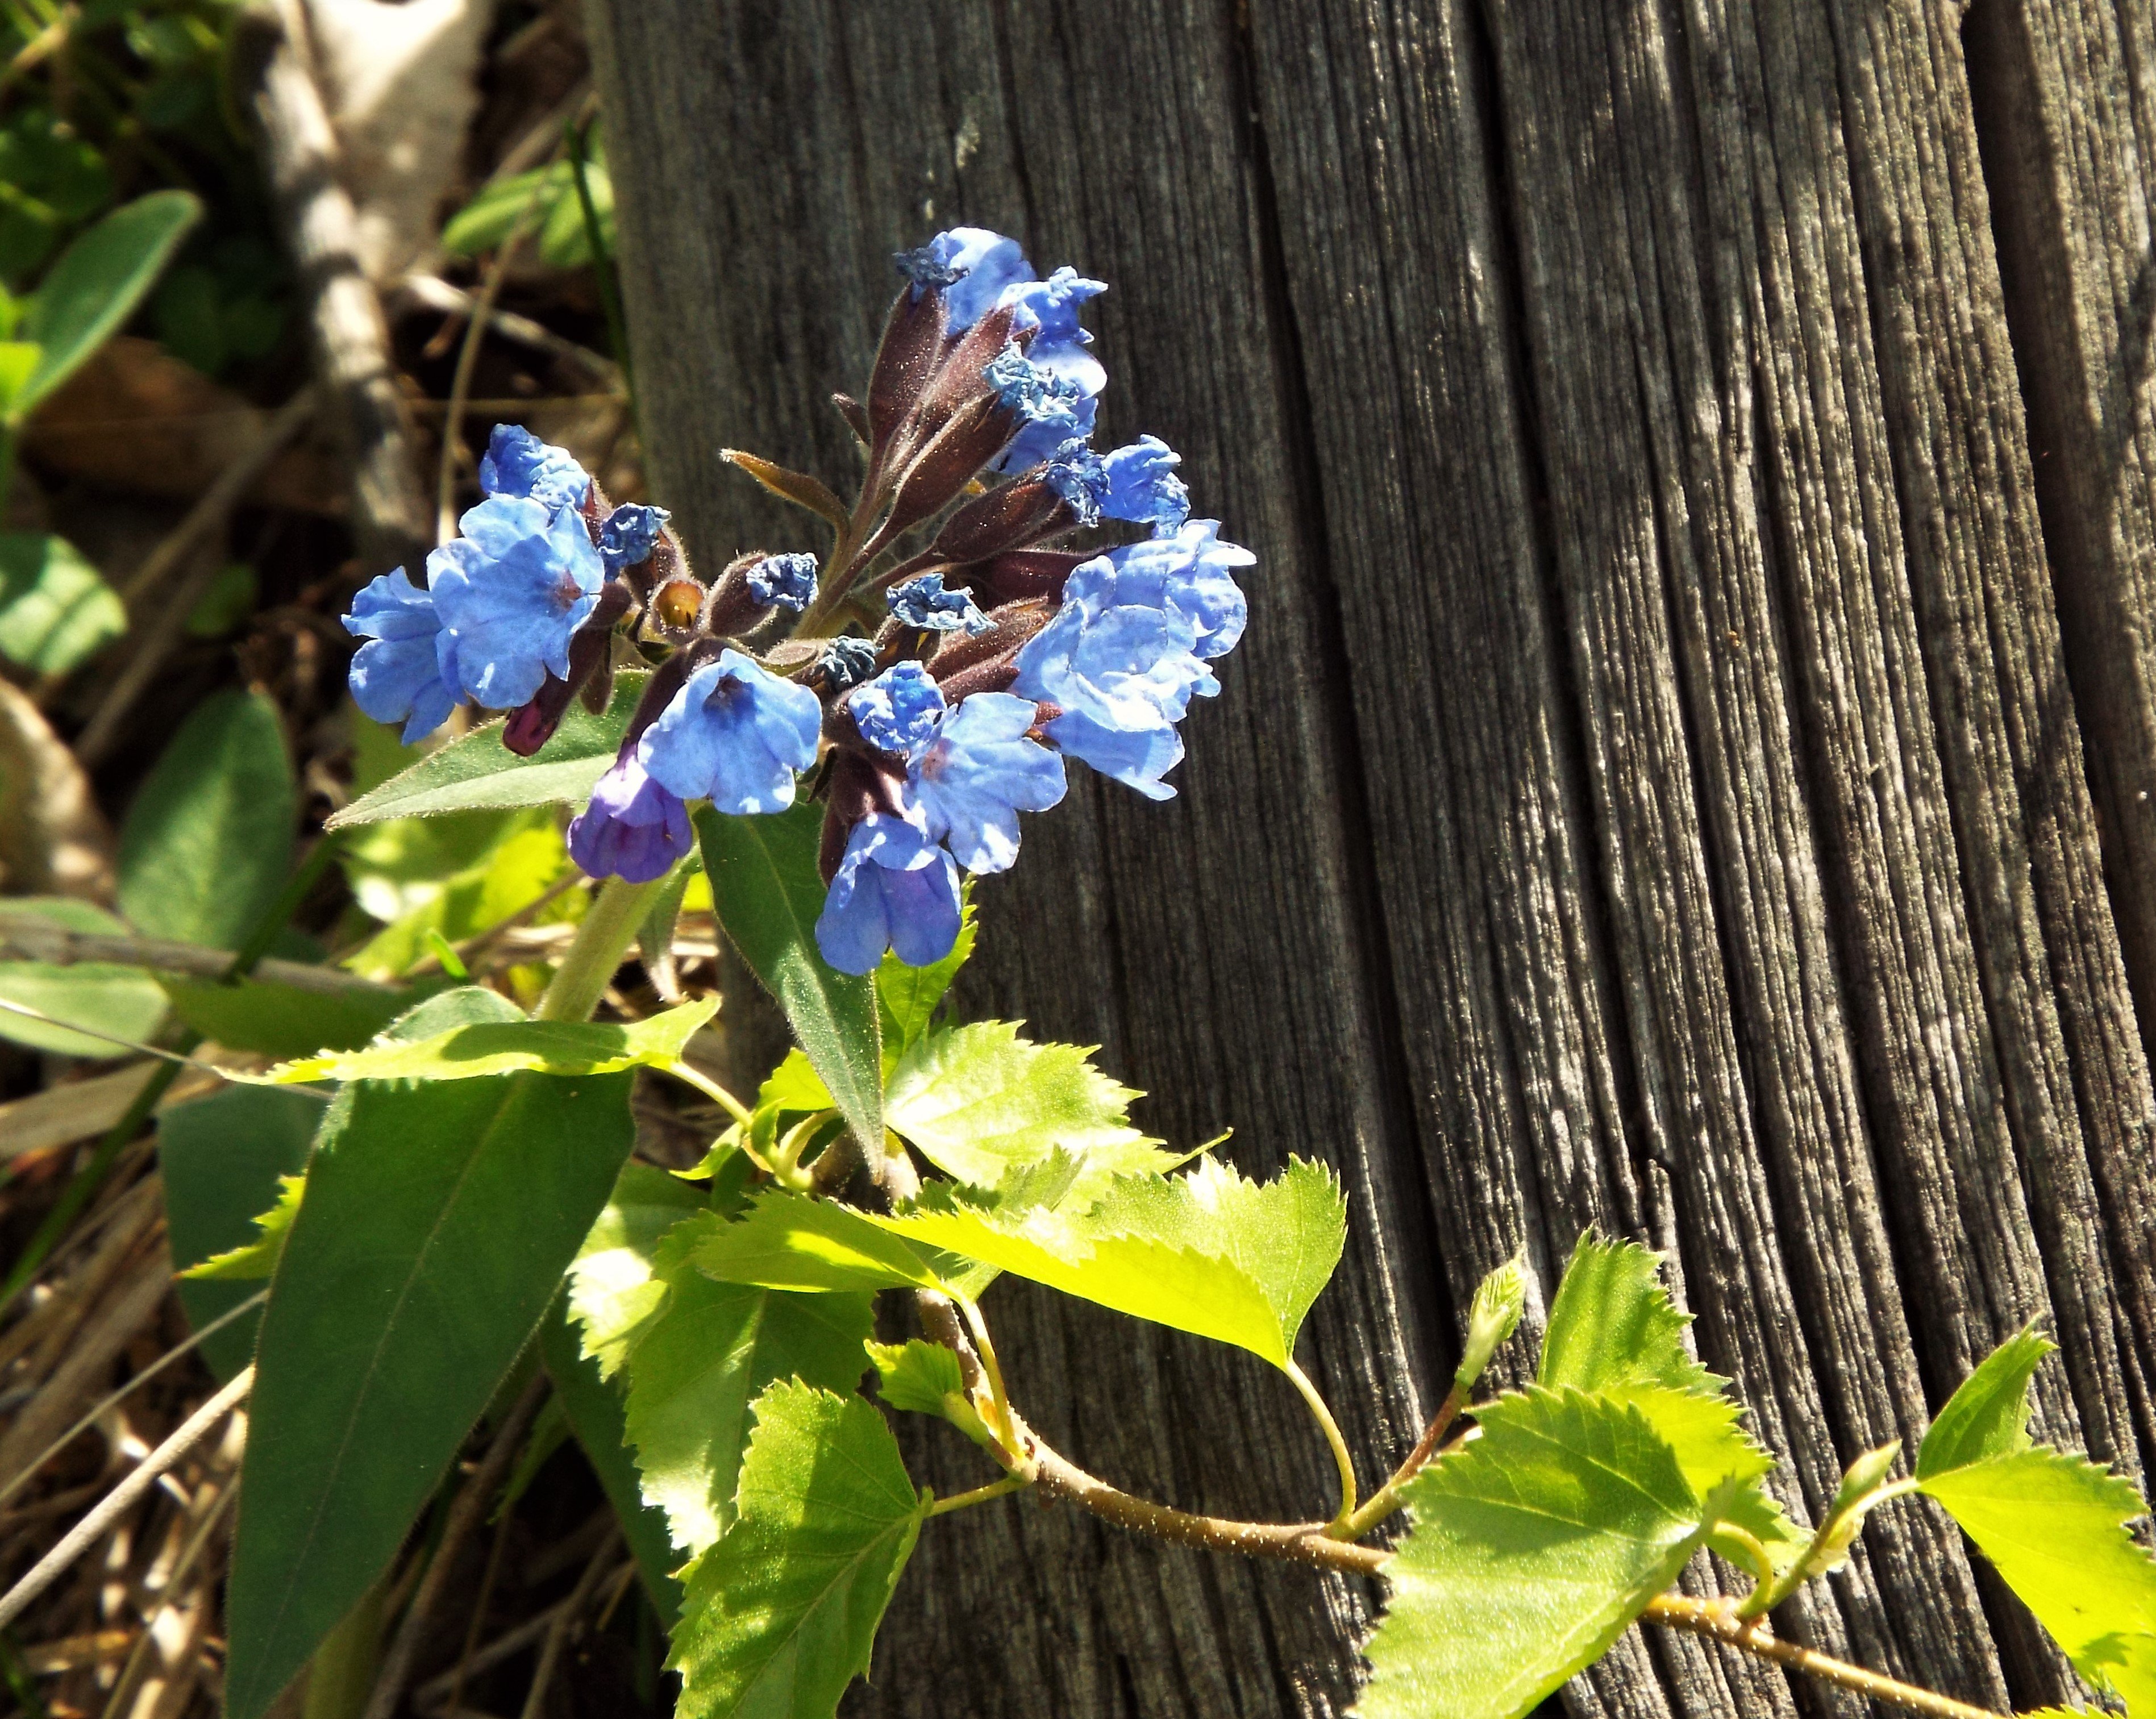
1004,656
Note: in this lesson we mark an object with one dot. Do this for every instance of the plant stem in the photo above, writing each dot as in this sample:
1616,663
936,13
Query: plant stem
602,940
711,1089
979,1494
1718,1620
1387,1498
1341,1459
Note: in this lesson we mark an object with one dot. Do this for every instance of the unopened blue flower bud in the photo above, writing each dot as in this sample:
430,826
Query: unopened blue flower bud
847,662
628,535
898,712
924,603
925,269
634,829
1076,474
518,463
786,581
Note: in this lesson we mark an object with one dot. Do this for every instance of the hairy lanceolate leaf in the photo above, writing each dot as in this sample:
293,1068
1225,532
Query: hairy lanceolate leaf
786,1241
767,893
1207,1252
282,1020
437,1221
1612,1323
980,1101
256,1259
1533,1548
907,996
477,773
782,1611
474,1052
124,1001
2053,1524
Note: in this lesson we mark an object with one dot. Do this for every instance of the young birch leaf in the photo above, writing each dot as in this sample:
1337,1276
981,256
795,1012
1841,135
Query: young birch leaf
1989,1416
256,1259
788,1242
614,1285
782,1611
437,1221
767,893
483,1048
924,1380
1500,1299
979,1102
1612,1323
907,996
1533,1548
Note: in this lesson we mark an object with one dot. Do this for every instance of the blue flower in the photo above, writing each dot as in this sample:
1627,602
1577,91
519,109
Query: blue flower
1137,483
924,603
1075,473
978,773
518,463
974,266
847,662
734,735
628,535
397,675
894,889
788,581
1190,571
632,829
1057,406
897,712
512,590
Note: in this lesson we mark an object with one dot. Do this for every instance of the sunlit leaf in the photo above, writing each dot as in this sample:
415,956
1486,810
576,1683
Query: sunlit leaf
474,1052
255,1260
786,1241
55,608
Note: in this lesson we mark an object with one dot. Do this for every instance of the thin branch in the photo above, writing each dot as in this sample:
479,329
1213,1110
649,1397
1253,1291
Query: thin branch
1387,1498
550,1655
29,937
122,1498
436,294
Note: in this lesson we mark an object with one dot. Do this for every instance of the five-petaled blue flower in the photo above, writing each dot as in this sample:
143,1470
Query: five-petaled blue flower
735,735
629,534
510,592
397,675
518,463
894,889
976,776
787,580
898,712
1136,483
634,829
924,603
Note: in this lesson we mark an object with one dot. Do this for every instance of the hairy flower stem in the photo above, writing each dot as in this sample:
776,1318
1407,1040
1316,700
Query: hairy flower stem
603,938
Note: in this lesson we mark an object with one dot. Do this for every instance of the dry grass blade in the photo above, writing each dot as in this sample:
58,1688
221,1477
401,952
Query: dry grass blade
60,1115
88,1361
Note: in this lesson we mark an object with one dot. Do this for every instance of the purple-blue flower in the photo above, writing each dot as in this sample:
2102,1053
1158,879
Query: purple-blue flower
788,581
978,773
396,674
894,889
735,735
510,592
1056,407
898,712
1190,571
518,463
1136,483
632,829
974,266
629,534
924,603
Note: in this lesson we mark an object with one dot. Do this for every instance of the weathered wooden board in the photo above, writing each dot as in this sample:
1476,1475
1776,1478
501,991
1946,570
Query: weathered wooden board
1651,794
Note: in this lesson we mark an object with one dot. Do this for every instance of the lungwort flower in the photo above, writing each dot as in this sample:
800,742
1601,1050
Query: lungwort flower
978,773
397,675
629,534
898,712
894,889
634,829
518,463
788,581
924,603
734,735
511,591
1137,484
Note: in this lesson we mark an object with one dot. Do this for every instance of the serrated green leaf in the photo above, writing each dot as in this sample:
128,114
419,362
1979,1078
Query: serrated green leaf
255,1261
1718,1459
208,842
2053,1526
95,285
437,1222
55,608
767,893
1612,1324
794,1086
1533,1548
1500,1299
783,1612
614,1289
980,1101
476,772
1989,1416
916,1376
477,1051
1206,1252
907,996
790,1242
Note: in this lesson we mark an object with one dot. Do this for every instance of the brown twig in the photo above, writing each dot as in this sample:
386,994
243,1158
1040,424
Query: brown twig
32,937
550,1655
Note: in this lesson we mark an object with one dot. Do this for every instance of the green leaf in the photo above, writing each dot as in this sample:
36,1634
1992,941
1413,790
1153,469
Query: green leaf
55,608
979,1102
1206,1252
783,1612
767,893
614,1290
437,1222
1989,1416
95,285
925,1378
208,843
112,999
907,996
595,1411
253,1261
476,772
529,859
477,1051
550,194
17,359
222,1158
787,1241
282,1020
1532,1549
1500,1300
1613,1324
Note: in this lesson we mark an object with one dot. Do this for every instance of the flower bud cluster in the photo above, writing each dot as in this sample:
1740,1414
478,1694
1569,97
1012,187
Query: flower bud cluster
987,656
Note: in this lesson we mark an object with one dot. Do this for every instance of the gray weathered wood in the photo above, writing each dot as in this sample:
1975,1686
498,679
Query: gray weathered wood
1651,794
